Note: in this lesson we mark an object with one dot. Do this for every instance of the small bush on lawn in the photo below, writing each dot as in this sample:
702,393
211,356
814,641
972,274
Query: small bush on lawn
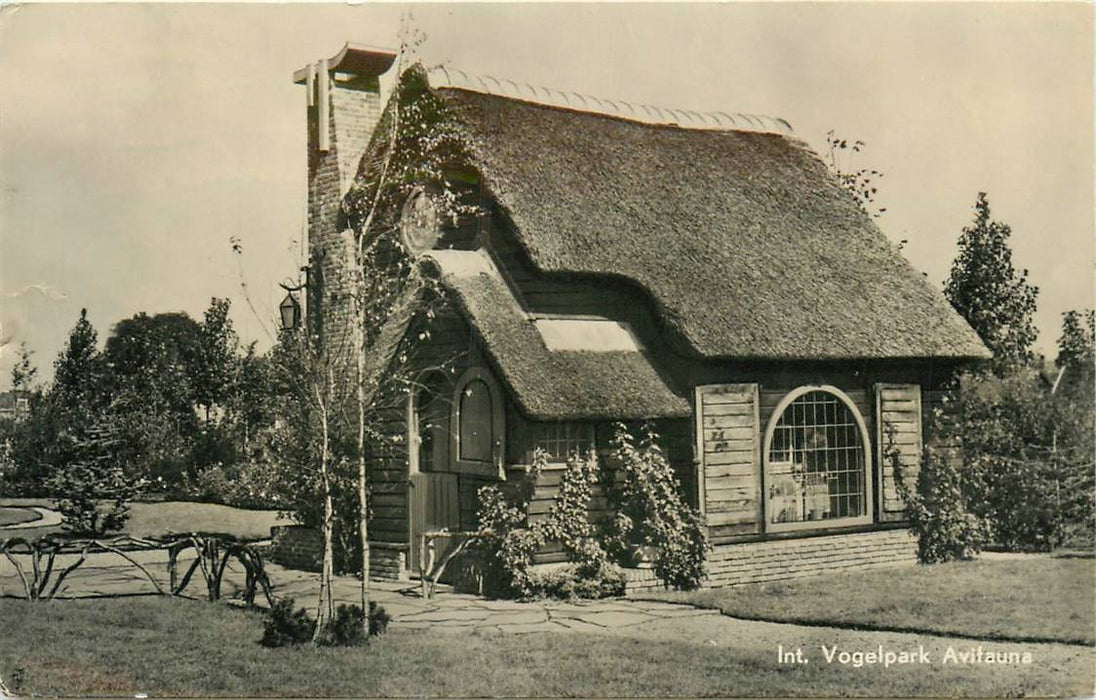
346,628
91,487
284,626
243,485
287,627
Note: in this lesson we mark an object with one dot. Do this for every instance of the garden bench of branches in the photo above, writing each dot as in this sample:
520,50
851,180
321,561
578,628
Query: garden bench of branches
430,569
213,555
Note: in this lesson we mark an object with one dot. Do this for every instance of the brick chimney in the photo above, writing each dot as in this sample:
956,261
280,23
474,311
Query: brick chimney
344,106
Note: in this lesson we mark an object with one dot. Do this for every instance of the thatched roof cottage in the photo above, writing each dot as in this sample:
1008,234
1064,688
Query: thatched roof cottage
705,272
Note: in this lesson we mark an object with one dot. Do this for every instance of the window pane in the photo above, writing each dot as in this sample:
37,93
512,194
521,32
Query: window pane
427,428
475,422
816,462
562,439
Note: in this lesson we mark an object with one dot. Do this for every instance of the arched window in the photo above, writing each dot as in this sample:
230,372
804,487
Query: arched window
476,438
817,462
478,423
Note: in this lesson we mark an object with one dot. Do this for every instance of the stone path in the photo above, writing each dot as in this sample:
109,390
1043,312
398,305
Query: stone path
106,574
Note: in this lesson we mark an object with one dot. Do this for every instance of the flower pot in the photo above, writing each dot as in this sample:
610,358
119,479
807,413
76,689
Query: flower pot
643,556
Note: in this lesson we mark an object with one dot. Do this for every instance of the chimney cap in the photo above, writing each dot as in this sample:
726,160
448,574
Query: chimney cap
356,59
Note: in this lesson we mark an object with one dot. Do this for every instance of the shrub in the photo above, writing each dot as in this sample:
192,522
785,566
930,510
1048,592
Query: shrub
1022,505
1028,455
937,505
286,627
507,544
578,581
91,488
651,511
569,519
346,628
245,485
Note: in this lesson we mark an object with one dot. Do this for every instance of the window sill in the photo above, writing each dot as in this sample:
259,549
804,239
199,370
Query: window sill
818,525
464,466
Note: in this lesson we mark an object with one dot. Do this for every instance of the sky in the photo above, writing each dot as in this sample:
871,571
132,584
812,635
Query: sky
137,140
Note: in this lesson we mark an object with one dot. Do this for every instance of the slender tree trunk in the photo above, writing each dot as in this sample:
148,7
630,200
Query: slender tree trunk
326,608
363,502
360,335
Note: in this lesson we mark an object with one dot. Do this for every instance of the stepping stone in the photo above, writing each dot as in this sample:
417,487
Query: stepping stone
578,625
517,618
463,616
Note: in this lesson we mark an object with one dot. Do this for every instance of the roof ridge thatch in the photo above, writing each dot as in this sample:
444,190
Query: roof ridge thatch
746,242
442,77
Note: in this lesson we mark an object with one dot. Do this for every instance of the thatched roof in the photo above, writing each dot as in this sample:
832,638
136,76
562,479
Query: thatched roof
551,384
746,243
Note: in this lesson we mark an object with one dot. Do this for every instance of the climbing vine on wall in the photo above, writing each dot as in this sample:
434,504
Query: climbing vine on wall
651,511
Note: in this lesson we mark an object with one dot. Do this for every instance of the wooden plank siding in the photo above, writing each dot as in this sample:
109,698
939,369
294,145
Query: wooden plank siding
898,406
449,346
728,430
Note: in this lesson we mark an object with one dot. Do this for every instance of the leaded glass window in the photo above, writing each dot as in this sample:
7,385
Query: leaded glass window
817,462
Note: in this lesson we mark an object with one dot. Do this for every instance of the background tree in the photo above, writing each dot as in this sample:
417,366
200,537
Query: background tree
217,361
148,368
19,435
75,396
987,290
1075,344
78,371
1074,438
79,441
252,402
24,374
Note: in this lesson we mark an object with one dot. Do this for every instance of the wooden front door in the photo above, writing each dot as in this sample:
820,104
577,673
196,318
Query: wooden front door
433,490
435,506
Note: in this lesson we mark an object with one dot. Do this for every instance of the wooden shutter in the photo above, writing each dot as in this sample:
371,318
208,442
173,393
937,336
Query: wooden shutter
897,405
728,436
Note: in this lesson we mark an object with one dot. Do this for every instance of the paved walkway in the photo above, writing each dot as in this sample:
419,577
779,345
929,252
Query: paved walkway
46,518
106,574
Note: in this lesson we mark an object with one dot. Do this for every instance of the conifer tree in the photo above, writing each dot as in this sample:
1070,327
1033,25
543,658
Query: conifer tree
990,293
78,369
1075,345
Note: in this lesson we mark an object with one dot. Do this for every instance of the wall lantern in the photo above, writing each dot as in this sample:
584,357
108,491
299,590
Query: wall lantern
290,309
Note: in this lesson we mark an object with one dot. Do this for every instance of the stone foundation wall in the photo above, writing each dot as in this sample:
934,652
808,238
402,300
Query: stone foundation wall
296,547
387,563
299,547
777,560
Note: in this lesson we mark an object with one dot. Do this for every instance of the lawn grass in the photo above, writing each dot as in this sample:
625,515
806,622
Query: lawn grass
15,516
175,647
1020,598
152,519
